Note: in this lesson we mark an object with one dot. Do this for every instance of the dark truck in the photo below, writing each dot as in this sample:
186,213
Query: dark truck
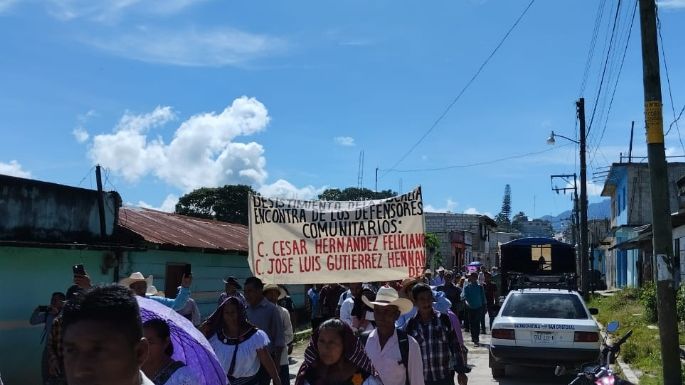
537,262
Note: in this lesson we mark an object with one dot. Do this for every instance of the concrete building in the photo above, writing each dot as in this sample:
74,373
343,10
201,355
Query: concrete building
499,238
46,228
627,184
536,228
477,227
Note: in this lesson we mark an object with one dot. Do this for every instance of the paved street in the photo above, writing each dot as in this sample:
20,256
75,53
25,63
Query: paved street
478,358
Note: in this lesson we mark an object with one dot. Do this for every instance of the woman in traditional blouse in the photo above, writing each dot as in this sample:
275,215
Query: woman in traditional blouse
335,356
159,366
240,346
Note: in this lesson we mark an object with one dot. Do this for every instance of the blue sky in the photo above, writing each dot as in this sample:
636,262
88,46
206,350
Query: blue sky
175,95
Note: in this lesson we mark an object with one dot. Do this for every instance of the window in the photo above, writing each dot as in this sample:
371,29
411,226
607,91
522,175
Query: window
552,305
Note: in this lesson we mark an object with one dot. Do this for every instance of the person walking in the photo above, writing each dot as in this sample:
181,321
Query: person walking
396,355
241,347
336,356
313,306
490,298
143,287
452,291
328,298
159,367
266,316
45,315
275,293
231,287
474,299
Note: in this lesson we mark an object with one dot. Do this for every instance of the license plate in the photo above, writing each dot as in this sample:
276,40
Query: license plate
543,338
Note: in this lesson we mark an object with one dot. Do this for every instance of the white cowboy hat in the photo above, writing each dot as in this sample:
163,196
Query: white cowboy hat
139,277
388,296
273,286
439,269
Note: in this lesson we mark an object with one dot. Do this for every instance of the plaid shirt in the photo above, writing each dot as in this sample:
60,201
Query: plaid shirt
434,340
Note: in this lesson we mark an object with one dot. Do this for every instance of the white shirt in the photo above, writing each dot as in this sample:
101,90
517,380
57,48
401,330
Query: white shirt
143,379
183,376
481,278
287,332
246,361
346,311
388,361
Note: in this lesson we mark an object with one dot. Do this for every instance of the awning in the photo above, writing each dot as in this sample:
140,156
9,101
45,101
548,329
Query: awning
641,240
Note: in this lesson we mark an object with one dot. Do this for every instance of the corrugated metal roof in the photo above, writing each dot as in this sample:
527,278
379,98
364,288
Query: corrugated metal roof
182,231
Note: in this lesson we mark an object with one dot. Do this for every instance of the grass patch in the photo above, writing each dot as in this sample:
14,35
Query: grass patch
642,351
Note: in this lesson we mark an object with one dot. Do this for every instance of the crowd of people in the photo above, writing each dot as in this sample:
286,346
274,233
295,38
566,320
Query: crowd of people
391,333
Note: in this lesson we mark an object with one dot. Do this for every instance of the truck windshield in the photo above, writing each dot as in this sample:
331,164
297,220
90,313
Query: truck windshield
544,305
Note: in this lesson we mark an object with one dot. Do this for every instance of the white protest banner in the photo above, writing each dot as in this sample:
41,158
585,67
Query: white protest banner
298,242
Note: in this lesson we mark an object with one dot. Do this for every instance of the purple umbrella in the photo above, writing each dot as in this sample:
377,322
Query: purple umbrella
190,346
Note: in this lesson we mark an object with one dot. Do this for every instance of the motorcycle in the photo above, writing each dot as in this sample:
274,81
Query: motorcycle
600,373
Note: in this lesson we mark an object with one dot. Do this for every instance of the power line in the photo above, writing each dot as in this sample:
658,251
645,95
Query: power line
668,81
618,77
463,90
483,163
606,62
593,43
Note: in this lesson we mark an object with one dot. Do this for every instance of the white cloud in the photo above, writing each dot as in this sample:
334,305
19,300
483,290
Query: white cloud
673,4
474,211
189,47
593,189
450,207
111,10
202,152
80,134
5,5
344,140
13,168
169,204
284,189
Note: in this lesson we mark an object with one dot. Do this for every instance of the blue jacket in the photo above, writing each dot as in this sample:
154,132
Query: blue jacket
474,294
178,303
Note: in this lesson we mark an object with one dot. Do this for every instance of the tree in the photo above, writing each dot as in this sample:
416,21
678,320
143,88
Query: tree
503,218
519,219
227,203
433,245
354,194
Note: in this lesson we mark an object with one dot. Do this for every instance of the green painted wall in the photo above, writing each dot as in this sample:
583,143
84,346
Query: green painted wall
28,276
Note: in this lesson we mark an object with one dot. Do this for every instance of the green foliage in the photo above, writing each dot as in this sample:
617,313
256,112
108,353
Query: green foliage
227,203
519,219
354,194
503,219
680,303
433,245
648,300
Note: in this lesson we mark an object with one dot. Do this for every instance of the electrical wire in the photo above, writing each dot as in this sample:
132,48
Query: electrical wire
463,90
593,43
668,81
606,62
483,163
618,77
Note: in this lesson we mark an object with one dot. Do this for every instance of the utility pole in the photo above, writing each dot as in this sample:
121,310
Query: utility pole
662,230
376,179
101,202
584,276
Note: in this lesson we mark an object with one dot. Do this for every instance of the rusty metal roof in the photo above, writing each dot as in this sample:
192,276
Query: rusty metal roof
175,230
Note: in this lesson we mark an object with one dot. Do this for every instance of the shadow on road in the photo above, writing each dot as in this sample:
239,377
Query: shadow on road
539,376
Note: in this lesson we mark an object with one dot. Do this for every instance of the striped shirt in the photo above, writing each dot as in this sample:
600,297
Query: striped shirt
434,340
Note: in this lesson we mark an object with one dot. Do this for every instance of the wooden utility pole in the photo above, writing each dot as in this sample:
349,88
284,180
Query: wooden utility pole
584,259
662,230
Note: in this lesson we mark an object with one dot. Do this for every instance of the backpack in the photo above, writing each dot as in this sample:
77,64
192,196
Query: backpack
403,341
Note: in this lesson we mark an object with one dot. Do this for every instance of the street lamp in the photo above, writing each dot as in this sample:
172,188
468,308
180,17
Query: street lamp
580,109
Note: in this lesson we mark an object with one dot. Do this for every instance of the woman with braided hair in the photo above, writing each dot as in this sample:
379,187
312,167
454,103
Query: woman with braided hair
335,356
239,345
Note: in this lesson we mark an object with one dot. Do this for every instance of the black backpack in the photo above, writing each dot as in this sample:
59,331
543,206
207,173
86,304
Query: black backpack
403,341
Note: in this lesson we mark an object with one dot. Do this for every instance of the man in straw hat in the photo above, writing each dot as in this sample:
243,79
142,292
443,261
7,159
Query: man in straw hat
395,355
405,292
143,287
275,293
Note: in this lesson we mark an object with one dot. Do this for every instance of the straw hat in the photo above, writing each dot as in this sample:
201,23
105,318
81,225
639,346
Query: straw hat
139,277
273,286
388,296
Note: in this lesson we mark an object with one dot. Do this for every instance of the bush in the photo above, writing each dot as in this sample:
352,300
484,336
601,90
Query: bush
680,303
648,300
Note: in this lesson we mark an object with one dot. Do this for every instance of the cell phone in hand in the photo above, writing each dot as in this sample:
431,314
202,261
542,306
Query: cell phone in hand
78,270
187,270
